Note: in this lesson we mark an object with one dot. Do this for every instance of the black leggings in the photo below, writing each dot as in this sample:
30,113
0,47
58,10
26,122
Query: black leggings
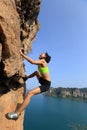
45,84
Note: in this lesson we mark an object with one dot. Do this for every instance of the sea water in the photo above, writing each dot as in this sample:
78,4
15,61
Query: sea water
48,113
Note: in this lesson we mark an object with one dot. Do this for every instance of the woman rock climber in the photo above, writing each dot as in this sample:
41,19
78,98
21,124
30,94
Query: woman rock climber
43,77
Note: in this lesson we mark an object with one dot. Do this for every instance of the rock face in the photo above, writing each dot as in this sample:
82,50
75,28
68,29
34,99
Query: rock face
18,28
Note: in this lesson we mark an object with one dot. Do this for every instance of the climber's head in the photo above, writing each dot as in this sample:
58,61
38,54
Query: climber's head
45,56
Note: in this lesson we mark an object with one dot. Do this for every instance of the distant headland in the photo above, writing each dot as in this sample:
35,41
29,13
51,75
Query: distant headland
71,93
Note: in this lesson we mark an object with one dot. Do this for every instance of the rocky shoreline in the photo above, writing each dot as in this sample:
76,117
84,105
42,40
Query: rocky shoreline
70,93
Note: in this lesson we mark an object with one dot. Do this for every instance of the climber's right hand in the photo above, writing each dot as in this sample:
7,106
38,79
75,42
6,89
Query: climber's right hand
21,51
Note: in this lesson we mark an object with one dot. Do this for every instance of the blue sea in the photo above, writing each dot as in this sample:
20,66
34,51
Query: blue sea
48,113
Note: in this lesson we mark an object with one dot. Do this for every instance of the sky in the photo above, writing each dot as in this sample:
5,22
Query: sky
63,34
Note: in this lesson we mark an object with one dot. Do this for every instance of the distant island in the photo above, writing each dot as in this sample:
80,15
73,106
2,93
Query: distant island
72,93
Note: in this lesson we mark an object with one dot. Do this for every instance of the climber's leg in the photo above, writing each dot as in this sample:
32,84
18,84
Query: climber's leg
28,98
14,115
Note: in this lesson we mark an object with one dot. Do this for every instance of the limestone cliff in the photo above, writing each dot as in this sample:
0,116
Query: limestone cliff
18,28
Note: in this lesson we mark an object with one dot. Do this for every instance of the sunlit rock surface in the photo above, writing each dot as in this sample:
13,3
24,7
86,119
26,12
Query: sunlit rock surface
18,28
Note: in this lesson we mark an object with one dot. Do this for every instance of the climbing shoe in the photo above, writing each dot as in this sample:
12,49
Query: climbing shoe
12,116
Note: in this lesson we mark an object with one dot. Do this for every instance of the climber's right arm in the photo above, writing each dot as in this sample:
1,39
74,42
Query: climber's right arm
37,62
